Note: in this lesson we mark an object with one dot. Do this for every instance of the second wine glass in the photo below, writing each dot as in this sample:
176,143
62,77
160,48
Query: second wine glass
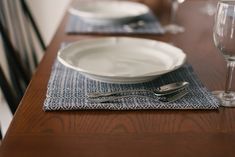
173,27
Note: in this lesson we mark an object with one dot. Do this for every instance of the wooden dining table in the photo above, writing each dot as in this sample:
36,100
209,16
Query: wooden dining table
142,133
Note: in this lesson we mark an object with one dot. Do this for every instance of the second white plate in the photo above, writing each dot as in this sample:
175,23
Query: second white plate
122,59
105,12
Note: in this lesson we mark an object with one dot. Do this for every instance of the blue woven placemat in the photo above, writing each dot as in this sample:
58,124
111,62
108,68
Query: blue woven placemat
67,90
152,25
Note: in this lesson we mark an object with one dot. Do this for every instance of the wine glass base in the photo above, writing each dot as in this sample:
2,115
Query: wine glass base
174,29
225,100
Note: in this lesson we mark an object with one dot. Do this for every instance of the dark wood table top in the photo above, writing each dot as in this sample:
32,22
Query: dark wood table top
152,133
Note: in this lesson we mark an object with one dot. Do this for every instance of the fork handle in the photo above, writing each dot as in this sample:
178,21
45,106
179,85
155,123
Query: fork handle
115,93
113,98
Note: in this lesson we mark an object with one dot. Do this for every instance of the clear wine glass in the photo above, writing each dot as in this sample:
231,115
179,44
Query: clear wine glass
224,39
173,27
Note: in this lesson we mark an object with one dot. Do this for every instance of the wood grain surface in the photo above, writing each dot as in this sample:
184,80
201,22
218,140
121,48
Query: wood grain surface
149,133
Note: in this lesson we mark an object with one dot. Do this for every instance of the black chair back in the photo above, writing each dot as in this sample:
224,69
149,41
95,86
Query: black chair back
22,43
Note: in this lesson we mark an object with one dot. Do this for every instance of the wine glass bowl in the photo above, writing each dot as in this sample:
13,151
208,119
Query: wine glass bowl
224,40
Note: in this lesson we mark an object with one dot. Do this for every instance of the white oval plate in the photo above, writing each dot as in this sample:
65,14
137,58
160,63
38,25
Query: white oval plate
122,59
108,12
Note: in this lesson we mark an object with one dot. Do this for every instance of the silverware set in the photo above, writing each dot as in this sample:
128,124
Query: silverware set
134,25
166,93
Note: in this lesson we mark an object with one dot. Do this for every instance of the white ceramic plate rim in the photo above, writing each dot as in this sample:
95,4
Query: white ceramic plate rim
181,56
140,9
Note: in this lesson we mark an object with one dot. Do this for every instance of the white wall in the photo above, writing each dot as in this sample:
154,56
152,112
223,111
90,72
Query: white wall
48,14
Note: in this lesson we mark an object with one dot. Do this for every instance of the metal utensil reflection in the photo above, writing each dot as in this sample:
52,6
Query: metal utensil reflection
163,98
160,91
130,27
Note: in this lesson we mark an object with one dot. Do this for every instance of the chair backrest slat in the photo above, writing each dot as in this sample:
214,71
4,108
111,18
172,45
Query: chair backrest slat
31,19
8,92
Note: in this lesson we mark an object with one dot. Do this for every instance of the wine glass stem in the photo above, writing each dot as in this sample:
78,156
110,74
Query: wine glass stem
229,77
174,8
